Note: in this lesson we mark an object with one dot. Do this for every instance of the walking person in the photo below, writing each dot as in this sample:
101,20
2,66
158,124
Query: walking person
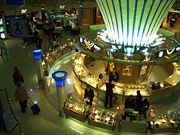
22,96
37,39
17,77
109,93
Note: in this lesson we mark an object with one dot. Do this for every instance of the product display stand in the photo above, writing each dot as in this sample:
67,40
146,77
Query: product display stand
75,109
103,119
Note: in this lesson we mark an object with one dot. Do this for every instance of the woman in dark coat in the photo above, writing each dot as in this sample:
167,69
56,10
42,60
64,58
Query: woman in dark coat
17,77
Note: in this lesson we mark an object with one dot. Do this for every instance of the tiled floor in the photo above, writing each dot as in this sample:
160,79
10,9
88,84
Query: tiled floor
47,122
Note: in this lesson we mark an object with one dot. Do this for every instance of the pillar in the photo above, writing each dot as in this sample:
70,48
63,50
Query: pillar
60,77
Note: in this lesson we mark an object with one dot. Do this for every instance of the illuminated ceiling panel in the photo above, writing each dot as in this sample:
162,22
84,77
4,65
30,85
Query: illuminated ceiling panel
133,22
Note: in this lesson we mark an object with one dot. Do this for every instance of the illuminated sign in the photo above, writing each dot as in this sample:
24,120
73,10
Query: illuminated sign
81,39
161,54
114,47
171,51
97,48
62,6
168,51
128,51
88,44
23,11
178,48
3,36
1,22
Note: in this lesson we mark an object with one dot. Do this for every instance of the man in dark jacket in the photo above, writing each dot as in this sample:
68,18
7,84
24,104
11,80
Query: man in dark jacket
114,75
138,102
89,95
129,102
109,93
17,77
145,107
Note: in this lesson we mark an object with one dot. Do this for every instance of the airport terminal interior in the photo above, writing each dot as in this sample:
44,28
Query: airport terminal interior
88,67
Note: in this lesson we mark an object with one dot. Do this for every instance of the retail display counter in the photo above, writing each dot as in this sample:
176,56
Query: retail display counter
103,118
52,55
144,92
85,76
109,119
96,116
133,122
134,126
165,123
75,109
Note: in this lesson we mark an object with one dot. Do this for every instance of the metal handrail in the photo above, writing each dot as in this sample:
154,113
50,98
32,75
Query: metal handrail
12,111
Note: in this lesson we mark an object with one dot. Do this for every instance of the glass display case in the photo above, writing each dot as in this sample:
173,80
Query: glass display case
103,118
165,123
76,109
52,55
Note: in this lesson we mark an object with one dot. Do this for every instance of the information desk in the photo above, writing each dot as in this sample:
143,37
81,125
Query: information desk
77,110
103,118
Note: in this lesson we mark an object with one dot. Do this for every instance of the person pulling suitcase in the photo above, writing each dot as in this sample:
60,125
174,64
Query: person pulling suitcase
22,96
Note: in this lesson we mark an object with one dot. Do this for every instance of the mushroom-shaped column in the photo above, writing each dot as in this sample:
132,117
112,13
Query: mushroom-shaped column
37,53
60,77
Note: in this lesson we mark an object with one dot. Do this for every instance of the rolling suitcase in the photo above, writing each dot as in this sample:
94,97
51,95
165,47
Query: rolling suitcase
34,107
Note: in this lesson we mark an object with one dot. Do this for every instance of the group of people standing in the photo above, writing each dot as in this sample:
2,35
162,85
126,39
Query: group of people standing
89,94
137,103
113,77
